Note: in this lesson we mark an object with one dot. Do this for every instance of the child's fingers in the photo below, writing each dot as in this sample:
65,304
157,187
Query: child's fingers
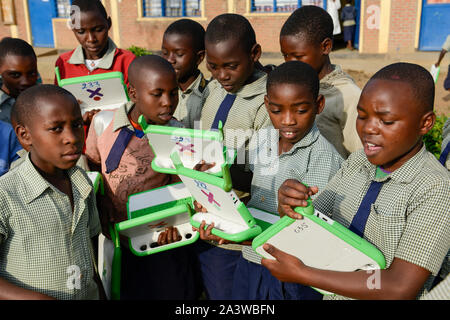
169,234
175,234
162,238
287,210
274,252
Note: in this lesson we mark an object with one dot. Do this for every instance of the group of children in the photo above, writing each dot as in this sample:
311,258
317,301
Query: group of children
330,136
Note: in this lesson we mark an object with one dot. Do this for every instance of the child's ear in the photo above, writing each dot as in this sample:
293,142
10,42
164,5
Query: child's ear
255,53
132,93
427,122
266,102
23,134
200,57
320,103
327,46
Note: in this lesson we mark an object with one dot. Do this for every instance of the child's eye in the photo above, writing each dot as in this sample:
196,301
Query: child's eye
387,122
302,111
81,31
275,111
56,129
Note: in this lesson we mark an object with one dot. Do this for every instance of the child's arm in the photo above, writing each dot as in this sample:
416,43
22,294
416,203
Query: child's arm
402,280
9,291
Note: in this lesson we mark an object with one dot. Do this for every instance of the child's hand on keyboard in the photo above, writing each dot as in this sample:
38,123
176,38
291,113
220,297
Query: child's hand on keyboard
199,208
207,235
203,166
169,235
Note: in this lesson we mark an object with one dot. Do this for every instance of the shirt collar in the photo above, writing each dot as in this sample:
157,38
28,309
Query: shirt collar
3,95
406,173
197,86
121,117
38,185
106,61
255,88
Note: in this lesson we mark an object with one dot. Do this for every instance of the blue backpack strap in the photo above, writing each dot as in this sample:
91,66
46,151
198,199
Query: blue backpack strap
224,109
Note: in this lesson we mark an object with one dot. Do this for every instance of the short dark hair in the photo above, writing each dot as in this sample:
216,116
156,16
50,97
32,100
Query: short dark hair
15,47
26,103
417,77
189,28
312,22
89,6
147,63
231,26
297,73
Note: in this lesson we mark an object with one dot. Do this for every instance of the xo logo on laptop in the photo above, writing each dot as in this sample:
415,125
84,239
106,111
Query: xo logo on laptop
210,196
93,89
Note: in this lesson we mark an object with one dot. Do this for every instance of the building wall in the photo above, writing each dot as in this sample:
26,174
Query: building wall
386,25
402,31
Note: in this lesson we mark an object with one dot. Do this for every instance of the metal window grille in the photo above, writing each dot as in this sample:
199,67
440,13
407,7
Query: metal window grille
172,8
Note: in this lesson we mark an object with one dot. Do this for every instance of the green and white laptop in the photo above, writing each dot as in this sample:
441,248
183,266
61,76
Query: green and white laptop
150,212
99,91
191,145
320,243
232,220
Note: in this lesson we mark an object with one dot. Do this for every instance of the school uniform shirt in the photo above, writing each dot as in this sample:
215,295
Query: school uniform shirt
6,103
247,115
410,218
72,64
44,245
440,292
194,97
9,146
134,173
337,122
312,160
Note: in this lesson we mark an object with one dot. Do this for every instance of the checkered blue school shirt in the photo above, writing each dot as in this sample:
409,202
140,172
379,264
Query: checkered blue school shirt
410,218
313,160
44,246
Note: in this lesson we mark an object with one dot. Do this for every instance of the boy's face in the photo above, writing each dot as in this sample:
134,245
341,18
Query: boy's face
179,51
93,34
391,125
230,64
18,74
54,133
301,49
292,110
155,96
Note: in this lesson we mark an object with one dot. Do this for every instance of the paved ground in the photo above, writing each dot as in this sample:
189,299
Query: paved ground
360,66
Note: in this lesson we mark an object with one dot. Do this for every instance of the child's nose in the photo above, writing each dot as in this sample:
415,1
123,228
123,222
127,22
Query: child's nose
287,119
223,75
91,37
370,126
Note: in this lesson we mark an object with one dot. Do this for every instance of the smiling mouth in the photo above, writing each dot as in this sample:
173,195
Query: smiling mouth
288,134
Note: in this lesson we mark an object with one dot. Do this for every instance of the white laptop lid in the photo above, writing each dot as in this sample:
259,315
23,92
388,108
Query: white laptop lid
190,149
99,94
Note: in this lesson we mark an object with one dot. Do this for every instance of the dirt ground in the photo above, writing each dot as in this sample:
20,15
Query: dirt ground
360,66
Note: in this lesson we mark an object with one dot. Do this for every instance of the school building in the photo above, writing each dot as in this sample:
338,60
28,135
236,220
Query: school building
383,26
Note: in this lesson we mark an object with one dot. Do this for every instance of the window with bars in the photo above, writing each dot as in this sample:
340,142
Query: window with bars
63,8
171,8
264,6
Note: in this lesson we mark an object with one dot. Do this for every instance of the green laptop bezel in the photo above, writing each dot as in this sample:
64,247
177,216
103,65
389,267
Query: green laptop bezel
91,78
225,184
150,214
185,132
